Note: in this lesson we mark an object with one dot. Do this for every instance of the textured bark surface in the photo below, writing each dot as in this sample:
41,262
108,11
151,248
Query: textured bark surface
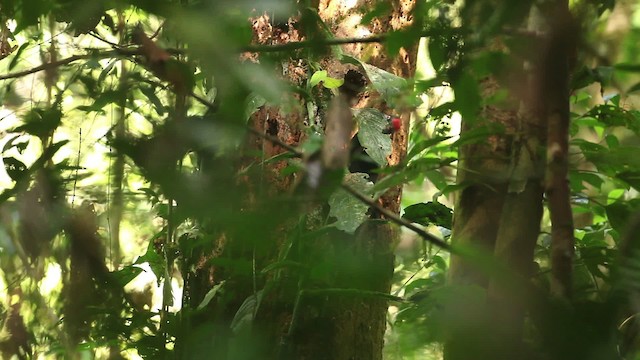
484,167
556,62
333,317
499,212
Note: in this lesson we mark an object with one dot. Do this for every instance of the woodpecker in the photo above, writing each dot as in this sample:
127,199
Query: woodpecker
394,125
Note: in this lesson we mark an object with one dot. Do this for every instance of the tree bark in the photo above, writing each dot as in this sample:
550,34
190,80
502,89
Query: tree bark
501,216
342,315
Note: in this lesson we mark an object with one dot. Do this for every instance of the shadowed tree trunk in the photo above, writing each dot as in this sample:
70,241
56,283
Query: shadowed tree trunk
500,209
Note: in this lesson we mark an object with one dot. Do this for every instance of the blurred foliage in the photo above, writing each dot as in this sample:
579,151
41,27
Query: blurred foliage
191,179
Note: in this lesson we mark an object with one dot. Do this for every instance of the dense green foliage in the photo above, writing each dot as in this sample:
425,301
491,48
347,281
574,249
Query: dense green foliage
130,156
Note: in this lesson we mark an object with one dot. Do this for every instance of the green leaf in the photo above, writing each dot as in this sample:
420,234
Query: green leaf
437,52
388,85
106,71
150,93
627,67
425,144
254,102
317,77
15,168
429,213
417,168
467,96
376,144
125,275
327,81
379,9
619,213
107,97
41,122
630,177
577,178
243,319
282,264
16,57
210,295
436,178
156,262
400,177
349,211
479,134
11,143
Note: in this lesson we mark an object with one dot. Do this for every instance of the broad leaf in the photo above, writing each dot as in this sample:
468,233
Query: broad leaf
375,143
429,213
388,85
15,168
349,211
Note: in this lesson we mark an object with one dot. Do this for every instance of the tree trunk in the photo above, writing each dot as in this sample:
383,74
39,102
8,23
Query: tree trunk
499,212
341,312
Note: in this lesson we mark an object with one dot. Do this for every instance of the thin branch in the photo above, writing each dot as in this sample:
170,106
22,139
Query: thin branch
396,219
43,67
70,59
248,48
296,45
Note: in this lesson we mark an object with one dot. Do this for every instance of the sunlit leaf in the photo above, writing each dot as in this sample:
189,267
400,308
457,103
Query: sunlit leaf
16,56
125,275
210,295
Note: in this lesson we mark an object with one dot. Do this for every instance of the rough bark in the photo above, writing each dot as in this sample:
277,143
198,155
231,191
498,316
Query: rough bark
561,47
341,316
499,212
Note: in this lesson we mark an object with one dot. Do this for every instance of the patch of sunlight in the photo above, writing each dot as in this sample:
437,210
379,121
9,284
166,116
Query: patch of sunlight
128,243
52,279
3,289
350,4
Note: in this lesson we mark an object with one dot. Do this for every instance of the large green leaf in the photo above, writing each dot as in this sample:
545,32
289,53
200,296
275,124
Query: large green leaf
41,122
375,143
15,168
429,213
387,84
468,100
349,211
327,81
